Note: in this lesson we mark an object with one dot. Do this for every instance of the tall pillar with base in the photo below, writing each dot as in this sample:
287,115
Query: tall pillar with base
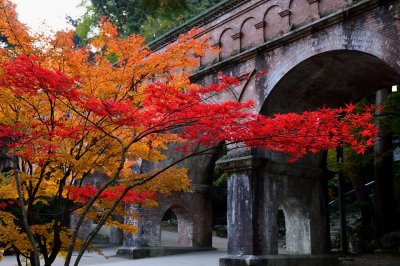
257,189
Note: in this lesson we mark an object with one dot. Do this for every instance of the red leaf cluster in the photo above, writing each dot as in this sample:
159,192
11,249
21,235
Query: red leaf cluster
297,134
87,192
5,204
190,113
26,77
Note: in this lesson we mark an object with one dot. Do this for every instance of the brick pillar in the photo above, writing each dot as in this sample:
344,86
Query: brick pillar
245,223
116,234
257,188
84,229
202,201
149,231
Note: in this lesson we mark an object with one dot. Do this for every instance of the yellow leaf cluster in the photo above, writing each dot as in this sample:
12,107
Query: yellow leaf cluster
11,235
166,182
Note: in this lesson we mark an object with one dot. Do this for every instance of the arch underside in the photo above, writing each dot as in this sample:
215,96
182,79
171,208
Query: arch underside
329,79
332,79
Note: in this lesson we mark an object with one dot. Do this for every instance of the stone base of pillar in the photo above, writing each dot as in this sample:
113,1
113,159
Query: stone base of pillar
146,252
279,260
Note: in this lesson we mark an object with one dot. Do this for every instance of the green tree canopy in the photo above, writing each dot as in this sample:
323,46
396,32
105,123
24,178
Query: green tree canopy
150,18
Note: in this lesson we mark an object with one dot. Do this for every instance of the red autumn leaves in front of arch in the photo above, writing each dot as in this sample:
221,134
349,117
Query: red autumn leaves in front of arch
297,134
165,109
85,193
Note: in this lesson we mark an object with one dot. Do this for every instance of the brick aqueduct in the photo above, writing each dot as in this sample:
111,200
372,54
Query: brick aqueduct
318,53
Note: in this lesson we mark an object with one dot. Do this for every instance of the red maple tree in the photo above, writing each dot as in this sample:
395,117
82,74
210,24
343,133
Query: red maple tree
66,114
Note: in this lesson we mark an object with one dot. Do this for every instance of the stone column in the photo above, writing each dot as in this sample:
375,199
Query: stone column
116,234
149,232
84,229
201,201
244,220
383,174
257,188
148,237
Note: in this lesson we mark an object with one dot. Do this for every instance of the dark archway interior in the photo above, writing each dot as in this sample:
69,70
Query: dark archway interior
281,230
329,79
169,229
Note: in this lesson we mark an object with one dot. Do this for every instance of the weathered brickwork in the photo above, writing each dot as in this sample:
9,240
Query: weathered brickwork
317,52
192,211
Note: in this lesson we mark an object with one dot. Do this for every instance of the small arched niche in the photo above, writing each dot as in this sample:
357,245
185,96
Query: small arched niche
229,44
303,12
249,36
276,22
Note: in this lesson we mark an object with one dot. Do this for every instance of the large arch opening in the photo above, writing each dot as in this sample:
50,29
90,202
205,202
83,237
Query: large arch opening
330,79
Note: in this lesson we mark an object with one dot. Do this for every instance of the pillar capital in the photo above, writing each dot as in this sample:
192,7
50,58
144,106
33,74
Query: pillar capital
239,164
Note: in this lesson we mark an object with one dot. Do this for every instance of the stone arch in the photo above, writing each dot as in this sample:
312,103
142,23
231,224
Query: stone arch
185,224
302,12
369,49
297,223
276,22
248,34
228,44
318,72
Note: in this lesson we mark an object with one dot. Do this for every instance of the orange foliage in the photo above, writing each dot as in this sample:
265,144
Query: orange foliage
71,114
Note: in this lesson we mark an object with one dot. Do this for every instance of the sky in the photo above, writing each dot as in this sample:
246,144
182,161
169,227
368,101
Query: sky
52,12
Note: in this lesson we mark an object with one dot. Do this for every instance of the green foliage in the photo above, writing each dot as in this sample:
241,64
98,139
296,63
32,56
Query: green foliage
358,165
392,112
170,14
85,24
220,178
150,18
332,165
219,195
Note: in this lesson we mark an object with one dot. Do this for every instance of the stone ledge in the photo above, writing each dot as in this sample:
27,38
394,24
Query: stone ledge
279,260
240,163
147,252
